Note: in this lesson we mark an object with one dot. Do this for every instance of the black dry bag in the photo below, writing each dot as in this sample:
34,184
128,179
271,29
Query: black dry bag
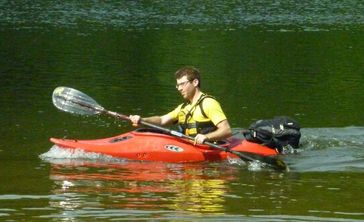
275,133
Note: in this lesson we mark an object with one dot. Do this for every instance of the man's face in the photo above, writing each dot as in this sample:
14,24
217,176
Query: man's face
186,87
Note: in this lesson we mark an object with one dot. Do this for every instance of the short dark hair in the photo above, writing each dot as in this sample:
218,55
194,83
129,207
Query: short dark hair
191,73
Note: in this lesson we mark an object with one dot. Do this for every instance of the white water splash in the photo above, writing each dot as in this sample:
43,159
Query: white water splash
252,166
58,153
255,166
236,161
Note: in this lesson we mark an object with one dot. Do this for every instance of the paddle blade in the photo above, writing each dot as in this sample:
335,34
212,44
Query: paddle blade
275,163
73,101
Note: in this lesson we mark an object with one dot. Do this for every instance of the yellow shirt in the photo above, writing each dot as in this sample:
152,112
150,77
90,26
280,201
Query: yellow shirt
211,108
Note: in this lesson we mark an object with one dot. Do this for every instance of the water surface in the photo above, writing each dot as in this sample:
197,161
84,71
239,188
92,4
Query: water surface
260,59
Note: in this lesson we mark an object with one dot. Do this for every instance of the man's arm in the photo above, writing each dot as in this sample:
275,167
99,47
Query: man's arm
223,131
164,120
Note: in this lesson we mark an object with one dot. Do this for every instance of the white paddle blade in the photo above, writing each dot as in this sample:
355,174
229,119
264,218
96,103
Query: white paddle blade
73,101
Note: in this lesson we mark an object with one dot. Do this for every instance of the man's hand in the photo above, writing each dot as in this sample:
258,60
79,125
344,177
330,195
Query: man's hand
200,139
135,119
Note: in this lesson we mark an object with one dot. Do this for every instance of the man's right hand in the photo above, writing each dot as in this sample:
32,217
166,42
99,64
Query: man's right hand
135,119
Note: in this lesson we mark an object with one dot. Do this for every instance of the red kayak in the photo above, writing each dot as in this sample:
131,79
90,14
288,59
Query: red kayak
151,145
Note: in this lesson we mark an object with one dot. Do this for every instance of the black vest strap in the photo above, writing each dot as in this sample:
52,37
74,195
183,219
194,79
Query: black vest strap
199,103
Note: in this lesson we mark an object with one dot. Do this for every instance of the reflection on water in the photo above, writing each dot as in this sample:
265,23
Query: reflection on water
144,185
106,189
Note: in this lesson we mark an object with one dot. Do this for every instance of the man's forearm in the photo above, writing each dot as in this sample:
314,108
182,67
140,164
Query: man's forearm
153,119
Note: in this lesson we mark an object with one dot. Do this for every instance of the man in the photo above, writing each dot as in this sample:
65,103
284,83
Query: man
200,115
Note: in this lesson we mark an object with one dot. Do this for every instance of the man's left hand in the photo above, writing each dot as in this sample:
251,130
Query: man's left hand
200,139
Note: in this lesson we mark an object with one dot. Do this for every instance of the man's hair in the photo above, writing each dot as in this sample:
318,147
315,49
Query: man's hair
191,73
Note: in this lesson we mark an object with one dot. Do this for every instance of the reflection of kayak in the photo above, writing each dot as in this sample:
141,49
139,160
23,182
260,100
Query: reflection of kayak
69,170
150,145
142,185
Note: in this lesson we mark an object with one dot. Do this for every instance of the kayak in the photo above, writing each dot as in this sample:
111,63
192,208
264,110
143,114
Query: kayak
153,145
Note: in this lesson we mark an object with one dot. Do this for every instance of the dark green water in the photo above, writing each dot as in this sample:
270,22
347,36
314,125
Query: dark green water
261,59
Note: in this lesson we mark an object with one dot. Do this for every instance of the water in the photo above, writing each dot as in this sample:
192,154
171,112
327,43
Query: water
259,58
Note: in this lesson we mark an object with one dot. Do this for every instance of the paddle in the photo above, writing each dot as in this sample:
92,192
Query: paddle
73,101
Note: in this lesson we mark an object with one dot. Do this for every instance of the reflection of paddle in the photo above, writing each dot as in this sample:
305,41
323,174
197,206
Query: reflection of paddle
74,101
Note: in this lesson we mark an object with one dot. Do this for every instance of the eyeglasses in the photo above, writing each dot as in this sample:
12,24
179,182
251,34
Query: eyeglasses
183,84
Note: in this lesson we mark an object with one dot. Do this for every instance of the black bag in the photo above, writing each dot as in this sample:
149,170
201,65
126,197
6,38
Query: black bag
275,133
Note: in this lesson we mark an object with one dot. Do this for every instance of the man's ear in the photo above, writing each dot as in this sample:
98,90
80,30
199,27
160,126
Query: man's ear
195,82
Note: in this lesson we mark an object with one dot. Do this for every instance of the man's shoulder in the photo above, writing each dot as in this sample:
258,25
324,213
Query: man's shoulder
210,101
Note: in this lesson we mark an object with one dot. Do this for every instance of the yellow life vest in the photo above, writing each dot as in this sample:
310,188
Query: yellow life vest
188,125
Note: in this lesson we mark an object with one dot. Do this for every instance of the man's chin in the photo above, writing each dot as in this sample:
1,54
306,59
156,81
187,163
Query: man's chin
183,96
